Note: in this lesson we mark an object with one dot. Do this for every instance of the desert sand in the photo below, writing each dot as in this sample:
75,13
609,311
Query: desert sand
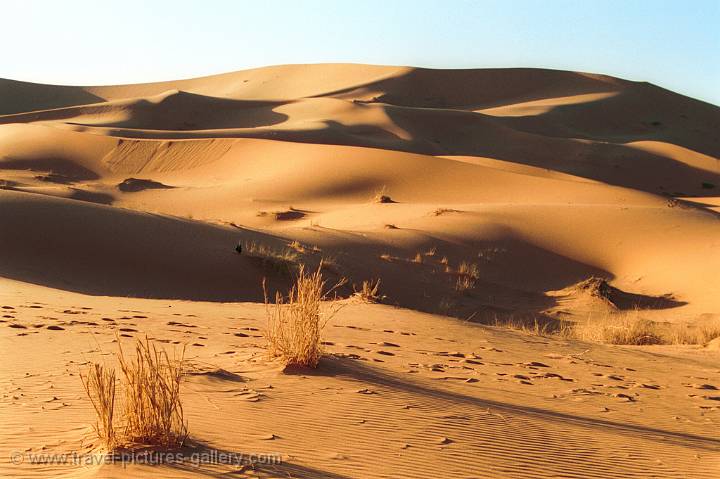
578,197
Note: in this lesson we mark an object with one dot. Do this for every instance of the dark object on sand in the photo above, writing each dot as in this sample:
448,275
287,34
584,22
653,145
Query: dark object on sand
133,185
238,248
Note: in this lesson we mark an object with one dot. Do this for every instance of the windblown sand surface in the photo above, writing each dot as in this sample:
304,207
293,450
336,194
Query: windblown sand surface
120,208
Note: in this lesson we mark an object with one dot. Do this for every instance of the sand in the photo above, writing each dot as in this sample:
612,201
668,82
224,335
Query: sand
120,208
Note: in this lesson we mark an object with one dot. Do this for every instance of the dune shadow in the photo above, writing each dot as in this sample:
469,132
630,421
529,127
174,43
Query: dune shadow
96,250
19,96
62,169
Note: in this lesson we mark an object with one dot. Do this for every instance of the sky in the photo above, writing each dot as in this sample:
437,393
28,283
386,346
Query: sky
674,44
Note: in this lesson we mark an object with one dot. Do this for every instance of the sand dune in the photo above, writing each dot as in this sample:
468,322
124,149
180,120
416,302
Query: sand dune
121,206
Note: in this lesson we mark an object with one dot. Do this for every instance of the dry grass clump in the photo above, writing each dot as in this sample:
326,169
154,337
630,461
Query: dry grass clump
469,269
282,260
369,292
386,257
631,329
537,327
418,258
464,284
381,196
99,384
431,252
297,246
295,323
468,274
152,413
617,330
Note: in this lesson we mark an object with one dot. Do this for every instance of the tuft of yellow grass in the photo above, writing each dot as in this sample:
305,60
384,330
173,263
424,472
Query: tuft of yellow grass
468,274
152,413
418,258
297,246
99,384
369,291
295,323
282,260
469,269
630,328
621,328
464,284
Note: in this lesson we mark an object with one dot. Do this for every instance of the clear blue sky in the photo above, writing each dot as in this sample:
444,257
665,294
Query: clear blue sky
675,44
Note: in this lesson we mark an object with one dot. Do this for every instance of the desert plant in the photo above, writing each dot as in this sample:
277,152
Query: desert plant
295,323
469,269
282,260
99,384
381,196
369,291
153,412
418,258
297,246
464,284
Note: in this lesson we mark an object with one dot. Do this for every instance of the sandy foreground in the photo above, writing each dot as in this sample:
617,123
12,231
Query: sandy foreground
120,208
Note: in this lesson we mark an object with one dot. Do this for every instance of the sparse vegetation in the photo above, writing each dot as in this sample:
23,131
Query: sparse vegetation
464,284
625,328
386,257
282,260
369,291
431,252
99,384
470,270
418,258
468,274
297,246
381,196
295,323
152,413
631,329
